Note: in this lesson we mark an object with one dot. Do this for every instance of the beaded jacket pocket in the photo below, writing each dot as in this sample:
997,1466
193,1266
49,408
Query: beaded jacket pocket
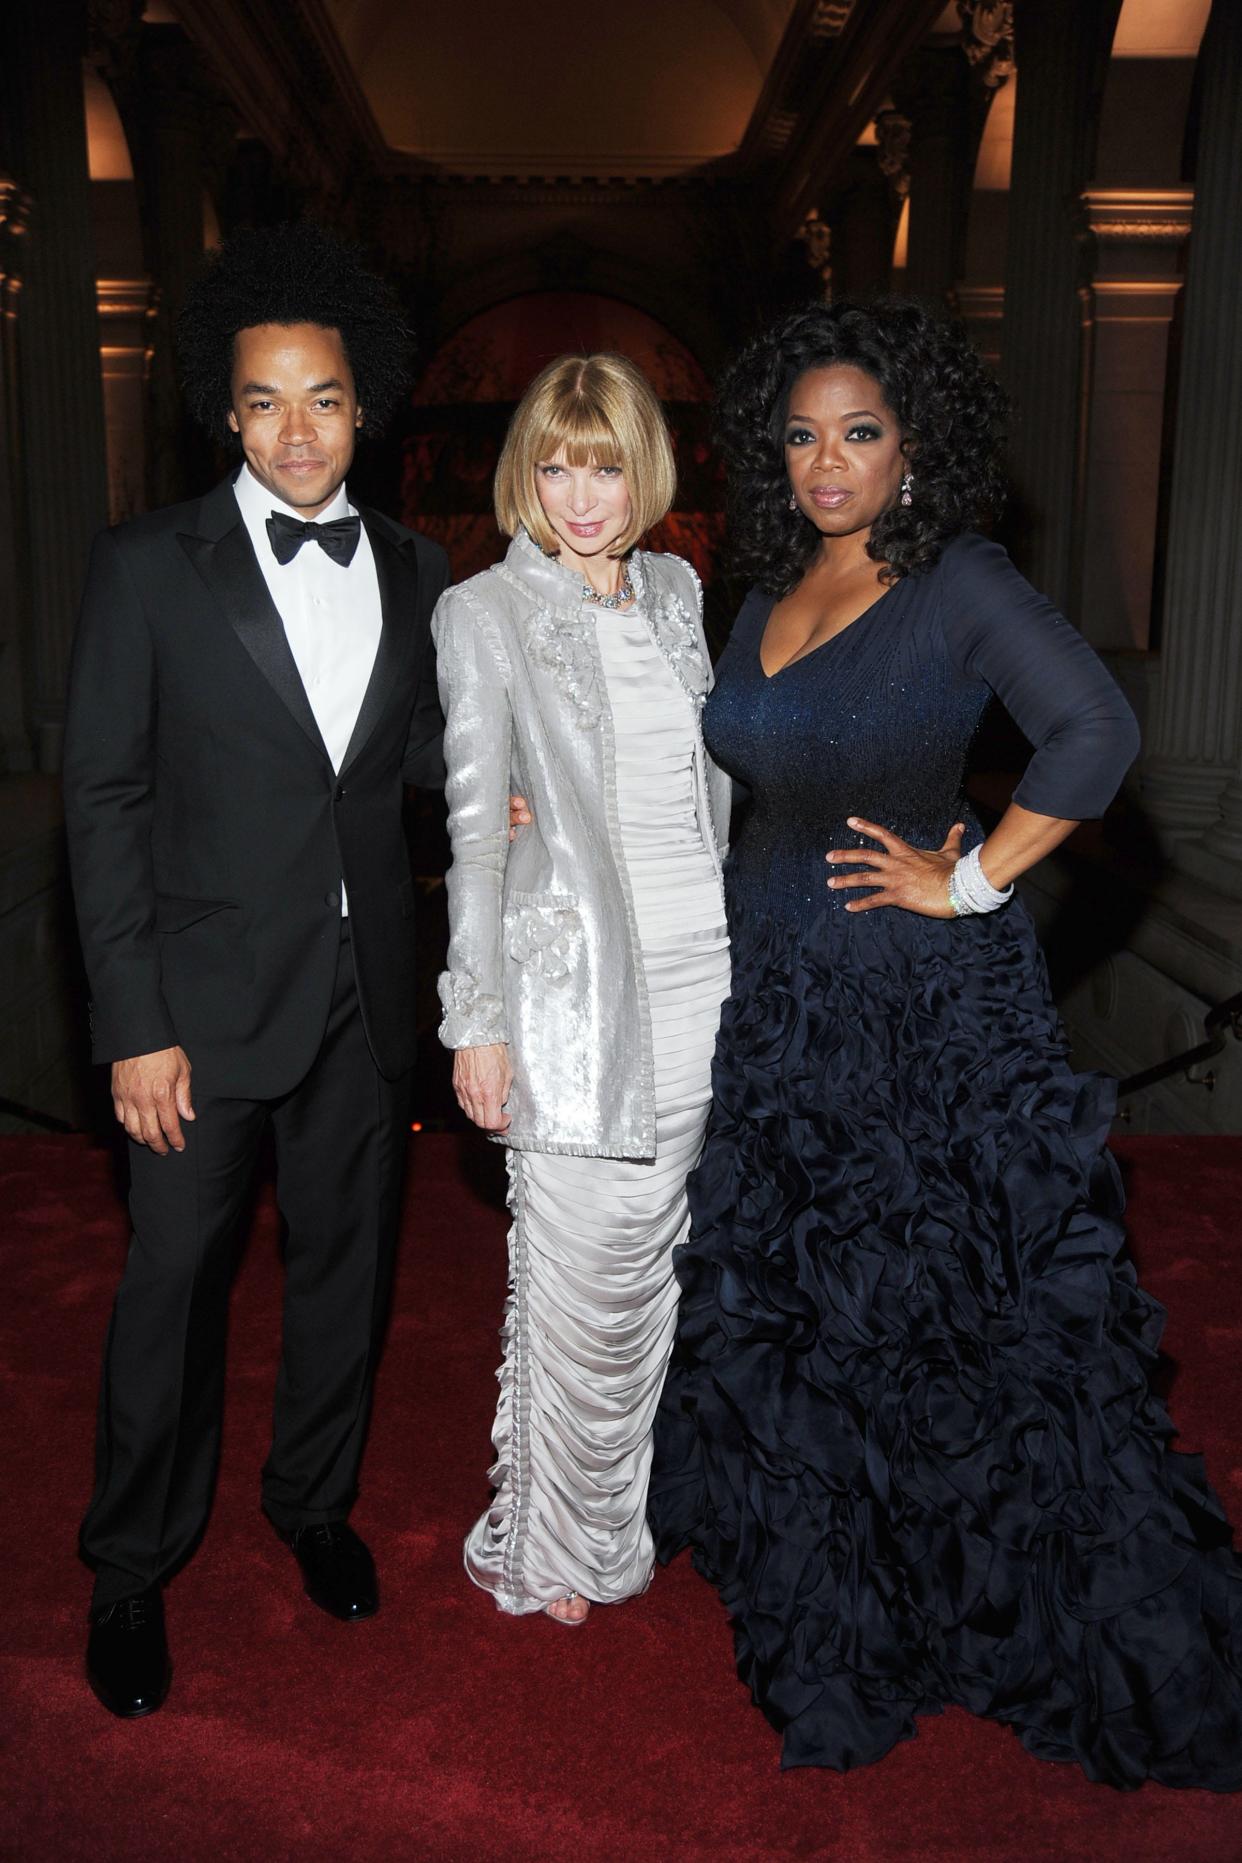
541,932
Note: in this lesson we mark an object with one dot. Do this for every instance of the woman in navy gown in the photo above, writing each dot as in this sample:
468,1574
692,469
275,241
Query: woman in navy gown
908,1429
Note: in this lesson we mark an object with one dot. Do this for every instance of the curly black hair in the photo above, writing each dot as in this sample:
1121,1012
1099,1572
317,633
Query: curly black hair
295,273
950,410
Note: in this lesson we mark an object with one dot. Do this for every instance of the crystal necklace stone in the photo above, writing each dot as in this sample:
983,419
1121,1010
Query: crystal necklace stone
622,598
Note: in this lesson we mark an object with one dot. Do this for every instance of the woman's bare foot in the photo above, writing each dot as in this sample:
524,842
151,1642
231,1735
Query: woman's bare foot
571,1609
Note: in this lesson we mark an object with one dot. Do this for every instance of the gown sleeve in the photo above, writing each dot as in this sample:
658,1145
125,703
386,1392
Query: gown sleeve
1000,630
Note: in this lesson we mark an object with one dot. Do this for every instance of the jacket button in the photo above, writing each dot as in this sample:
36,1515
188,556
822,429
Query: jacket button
332,899
340,794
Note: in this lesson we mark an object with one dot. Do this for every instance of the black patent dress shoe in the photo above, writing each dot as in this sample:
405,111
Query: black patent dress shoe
127,1656
338,1572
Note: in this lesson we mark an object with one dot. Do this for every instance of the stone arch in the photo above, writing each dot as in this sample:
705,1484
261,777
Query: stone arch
560,263
462,402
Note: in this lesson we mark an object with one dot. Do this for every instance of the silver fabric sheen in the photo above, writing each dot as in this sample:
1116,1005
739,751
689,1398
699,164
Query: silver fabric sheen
543,950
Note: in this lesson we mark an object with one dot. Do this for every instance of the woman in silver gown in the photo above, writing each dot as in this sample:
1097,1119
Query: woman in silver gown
587,963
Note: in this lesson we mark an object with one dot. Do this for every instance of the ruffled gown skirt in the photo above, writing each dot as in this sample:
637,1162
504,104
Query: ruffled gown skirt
908,1428
592,1297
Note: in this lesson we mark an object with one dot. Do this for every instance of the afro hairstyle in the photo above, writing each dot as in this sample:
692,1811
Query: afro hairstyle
294,273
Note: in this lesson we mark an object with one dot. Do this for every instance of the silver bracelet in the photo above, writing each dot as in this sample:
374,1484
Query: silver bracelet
970,890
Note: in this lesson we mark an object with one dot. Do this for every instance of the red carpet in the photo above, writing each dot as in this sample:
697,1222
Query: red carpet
442,1730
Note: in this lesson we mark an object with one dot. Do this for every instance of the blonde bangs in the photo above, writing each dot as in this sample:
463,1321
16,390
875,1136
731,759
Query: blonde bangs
581,435
587,411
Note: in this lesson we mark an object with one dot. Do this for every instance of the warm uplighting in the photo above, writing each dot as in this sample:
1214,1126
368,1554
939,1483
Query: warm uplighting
1160,28
107,149
995,157
901,240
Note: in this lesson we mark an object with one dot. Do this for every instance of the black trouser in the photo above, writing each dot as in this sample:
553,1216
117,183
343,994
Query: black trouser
340,1139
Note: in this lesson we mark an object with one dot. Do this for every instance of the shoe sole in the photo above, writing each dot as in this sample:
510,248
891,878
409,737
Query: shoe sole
341,1617
129,1714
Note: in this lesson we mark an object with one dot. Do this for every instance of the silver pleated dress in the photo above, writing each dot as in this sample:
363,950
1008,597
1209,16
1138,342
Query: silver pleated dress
592,1301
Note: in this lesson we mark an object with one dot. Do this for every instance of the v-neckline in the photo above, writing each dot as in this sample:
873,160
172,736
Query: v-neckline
800,658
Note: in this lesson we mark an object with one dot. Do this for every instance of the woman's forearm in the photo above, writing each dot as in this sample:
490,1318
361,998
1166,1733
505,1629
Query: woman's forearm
1018,842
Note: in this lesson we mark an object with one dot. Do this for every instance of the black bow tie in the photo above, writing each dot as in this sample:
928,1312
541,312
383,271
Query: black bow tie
339,538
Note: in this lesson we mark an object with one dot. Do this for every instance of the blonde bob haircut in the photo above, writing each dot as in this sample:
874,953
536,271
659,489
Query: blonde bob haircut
586,411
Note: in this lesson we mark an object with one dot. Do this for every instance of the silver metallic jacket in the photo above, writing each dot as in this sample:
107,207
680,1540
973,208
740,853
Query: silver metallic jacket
543,948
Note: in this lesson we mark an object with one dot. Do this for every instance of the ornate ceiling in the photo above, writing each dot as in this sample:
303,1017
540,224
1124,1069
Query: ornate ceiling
644,89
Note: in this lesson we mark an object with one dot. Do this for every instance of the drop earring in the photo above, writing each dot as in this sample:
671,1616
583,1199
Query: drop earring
907,486
793,503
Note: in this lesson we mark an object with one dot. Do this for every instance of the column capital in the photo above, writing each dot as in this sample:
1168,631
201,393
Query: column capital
816,236
981,303
126,298
987,39
1158,215
16,210
829,18
892,130
114,31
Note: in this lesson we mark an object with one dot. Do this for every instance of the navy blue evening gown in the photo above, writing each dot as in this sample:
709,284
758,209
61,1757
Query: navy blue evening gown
908,1429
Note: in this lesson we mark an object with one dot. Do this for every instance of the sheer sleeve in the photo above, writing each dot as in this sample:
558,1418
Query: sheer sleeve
1000,630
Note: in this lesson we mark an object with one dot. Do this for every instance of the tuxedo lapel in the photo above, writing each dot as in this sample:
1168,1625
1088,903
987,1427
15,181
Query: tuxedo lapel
224,558
396,567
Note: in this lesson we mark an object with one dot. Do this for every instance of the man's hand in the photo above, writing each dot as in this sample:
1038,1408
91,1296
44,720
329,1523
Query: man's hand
151,1096
482,1078
519,815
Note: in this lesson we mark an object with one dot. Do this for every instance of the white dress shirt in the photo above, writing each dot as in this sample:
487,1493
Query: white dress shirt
331,613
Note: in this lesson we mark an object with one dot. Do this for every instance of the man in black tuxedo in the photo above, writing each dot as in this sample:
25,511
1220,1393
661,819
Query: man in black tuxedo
253,683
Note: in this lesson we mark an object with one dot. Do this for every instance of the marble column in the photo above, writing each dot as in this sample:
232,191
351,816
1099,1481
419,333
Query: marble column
932,91
16,750
1191,782
1061,50
63,454
1136,247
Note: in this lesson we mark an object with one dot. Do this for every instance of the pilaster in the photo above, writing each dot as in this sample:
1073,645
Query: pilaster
1135,250
1192,783
1061,50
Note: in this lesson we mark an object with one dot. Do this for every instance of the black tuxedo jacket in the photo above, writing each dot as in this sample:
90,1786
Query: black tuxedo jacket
207,830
